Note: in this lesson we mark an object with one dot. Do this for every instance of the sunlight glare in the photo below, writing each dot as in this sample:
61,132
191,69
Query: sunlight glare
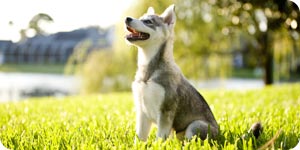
67,15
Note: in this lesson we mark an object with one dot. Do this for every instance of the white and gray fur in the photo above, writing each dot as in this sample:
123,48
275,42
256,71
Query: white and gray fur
162,94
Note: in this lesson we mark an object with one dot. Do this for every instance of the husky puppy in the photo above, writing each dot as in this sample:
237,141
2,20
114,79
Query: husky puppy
162,94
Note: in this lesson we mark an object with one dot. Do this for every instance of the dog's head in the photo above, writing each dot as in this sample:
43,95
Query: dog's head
151,28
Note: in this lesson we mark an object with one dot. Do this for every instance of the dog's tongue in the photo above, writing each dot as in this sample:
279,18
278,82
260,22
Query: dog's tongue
135,34
131,29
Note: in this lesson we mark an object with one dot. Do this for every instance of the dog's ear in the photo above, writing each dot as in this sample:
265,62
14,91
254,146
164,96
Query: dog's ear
150,11
168,15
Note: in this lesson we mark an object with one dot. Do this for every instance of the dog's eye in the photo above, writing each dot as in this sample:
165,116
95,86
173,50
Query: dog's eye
147,21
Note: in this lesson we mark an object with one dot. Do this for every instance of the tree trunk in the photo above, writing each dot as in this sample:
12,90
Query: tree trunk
267,58
268,67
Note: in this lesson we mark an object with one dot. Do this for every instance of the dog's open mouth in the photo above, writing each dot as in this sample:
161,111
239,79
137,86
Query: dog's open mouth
135,35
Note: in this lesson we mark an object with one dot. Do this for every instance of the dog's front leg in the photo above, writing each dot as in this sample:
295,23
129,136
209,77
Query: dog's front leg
143,125
165,122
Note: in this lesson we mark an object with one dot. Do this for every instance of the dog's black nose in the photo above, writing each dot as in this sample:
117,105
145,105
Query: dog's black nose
128,19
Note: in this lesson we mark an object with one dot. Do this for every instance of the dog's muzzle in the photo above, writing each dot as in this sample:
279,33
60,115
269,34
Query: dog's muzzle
134,35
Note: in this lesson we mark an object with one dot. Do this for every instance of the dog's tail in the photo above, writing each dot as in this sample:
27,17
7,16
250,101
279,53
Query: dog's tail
255,130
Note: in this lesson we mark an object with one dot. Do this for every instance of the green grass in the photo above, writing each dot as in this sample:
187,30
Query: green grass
107,121
33,68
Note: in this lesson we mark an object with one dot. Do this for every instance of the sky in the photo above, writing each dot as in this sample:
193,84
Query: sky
67,14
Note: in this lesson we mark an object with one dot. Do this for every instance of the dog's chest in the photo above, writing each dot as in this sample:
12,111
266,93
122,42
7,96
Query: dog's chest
148,98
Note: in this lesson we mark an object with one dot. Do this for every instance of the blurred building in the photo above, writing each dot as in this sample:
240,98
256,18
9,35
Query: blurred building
54,48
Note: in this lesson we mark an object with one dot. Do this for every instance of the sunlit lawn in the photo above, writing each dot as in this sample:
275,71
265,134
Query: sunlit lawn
106,121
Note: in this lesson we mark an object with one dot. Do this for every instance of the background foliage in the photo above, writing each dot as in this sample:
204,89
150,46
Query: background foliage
209,35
